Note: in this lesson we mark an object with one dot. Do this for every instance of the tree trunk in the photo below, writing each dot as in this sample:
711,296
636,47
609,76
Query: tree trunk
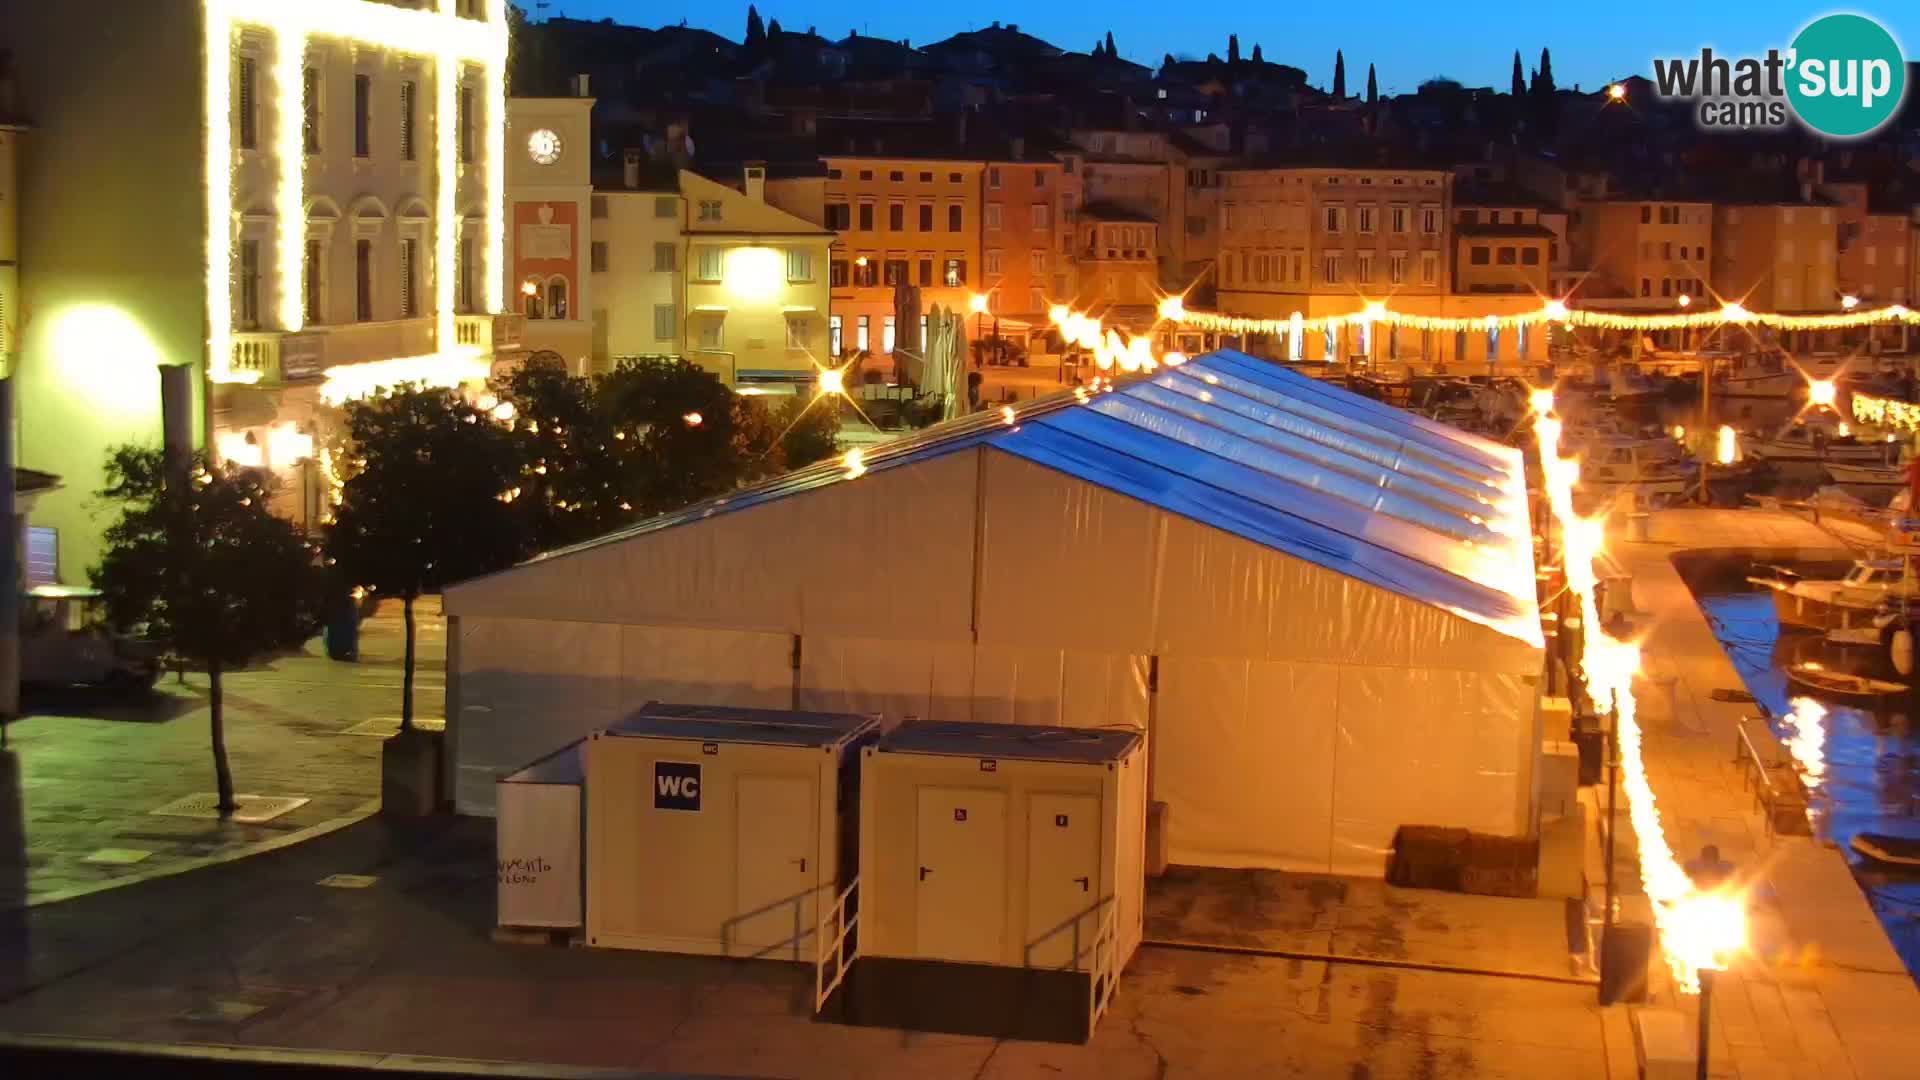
222,775
406,678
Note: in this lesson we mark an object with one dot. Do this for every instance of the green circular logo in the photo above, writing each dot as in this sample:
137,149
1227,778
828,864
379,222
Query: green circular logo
1845,75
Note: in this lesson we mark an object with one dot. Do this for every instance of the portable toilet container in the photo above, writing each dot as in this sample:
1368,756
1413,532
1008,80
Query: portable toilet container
1002,872
719,830
537,824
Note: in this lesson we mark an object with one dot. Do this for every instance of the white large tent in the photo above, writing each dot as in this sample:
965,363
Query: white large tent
1320,608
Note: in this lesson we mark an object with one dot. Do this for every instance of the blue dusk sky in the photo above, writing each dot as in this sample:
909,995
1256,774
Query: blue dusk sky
1409,41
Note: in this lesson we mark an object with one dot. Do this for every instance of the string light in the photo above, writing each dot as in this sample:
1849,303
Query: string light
1885,412
1552,311
453,368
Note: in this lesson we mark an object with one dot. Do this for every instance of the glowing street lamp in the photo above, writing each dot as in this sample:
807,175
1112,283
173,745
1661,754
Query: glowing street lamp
1821,392
1617,91
831,381
1849,302
1684,300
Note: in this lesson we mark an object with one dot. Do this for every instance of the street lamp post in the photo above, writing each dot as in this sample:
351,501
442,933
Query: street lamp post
1706,1021
1613,807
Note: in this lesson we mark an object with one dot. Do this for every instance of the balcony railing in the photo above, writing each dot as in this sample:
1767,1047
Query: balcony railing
492,333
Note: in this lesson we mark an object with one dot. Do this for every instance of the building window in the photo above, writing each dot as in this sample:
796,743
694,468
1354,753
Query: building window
993,178
1042,216
1397,268
837,273
861,332
1530,256
713,332
993,216
895,272
310,109
990,265
1479,255
463,275
249,284
955,215
1399,219
247,127
464,118
866,217
711,265
886,334
865,272
1646,215
709,209
1366,219
797,332
362,116
409,91
896,217
1037,262
954,273
1331,270
833,335
896,176
533,300
599,256
1429,221
1646,286
1506,256
597,206
839,216
1036,300
926,273
664,322
663,257
926,178
409,278
1666,286
1336,219
926,217
1365,261
665,206
363,280
866,174
799,265
954,178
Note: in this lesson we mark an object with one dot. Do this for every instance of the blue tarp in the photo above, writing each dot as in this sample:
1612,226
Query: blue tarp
1300,466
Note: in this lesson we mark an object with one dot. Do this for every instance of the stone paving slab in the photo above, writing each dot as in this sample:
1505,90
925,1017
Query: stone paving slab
84,772
406,966
1825,993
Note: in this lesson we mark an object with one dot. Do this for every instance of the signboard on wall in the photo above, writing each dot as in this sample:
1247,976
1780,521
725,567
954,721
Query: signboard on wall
546,242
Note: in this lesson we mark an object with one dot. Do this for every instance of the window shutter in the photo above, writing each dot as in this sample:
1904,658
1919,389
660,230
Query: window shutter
249,127
406,120
406,279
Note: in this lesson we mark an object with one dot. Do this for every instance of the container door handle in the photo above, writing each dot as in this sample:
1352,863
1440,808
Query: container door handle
1083,883
803,863
924,871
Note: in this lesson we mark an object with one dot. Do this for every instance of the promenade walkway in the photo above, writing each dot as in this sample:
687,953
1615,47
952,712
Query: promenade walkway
1824,994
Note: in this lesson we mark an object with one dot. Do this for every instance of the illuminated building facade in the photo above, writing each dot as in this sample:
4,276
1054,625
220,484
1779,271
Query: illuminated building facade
551,249
1643,254
300,201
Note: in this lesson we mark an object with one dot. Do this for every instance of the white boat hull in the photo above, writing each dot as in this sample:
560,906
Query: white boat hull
1865,475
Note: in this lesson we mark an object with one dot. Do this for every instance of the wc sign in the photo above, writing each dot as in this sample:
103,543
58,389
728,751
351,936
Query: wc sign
676,785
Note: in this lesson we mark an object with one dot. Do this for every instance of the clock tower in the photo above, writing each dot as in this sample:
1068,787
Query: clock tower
550,224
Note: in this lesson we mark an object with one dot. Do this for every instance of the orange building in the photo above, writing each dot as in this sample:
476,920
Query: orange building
1872,247
1026,239
1642,253
898,221
1776,256
1500,246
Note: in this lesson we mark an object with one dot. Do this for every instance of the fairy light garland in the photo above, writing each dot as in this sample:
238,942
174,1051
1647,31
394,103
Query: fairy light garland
1886,412
1552,312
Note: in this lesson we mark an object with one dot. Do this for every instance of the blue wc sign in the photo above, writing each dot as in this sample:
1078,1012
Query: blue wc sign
676,785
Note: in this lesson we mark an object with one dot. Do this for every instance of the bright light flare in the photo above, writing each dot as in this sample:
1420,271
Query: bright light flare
456,367
1006,415
1173,309
1540,400
1821,392
854,462
1684,300
977,303
1806,739
1728,450
1849,302
1617,91
831,381
693,419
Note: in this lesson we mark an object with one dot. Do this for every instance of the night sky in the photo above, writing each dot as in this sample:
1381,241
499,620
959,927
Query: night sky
1409,40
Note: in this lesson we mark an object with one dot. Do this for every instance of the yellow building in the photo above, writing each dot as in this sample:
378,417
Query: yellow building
638,257
551,246
898,221
1642,254
1776,256
757,292
1501,246
1119,268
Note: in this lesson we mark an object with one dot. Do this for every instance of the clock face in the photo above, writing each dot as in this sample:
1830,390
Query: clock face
544,146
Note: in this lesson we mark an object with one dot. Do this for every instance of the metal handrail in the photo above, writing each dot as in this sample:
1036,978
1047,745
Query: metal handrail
1756,775
1101,975
833,947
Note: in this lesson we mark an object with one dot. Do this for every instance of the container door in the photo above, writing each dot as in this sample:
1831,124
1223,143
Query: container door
961,905
1063,879
774,855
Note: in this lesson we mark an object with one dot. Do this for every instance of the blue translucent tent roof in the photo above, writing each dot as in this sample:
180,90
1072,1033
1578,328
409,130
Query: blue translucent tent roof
1242,445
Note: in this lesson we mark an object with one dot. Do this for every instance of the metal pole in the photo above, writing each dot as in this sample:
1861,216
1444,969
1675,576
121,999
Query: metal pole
1613,803
1706,425
1706,1021
9,566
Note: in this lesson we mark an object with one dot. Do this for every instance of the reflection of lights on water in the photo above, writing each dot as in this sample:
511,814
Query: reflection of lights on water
1729,448
1806,739
855,463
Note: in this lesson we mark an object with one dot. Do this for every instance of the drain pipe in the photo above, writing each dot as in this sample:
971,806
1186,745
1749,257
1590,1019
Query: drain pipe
1363,961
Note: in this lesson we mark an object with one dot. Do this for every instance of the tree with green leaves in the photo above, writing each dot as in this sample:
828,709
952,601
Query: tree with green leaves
771,441
1519,89
1233,49
1339,75
428,501
1546,99
773,30
205,569
1110,50
577,479
1373,87
1257,58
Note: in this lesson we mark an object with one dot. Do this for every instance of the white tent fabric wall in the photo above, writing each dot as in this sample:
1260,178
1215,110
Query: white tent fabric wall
1317,688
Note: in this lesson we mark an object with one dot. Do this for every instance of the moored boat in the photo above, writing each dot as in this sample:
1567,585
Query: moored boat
1841,472
1891,850
1848,603
1817,677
